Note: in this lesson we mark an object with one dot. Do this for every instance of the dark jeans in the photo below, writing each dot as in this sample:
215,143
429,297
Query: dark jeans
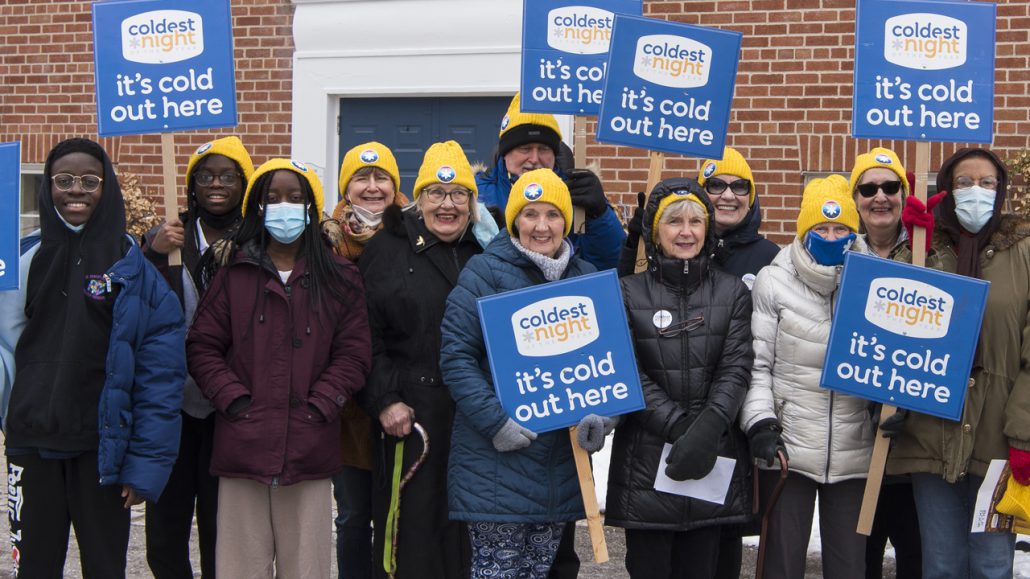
896,519
566,561
352,489
672,554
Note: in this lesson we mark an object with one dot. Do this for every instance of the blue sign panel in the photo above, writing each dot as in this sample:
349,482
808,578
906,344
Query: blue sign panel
163,66
904,335
10,209
669,87
565,53
560,351
924,71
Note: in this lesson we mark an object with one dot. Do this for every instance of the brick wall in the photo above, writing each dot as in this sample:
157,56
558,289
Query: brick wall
46,84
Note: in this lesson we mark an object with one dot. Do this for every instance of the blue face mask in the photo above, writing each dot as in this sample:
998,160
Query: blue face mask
827,252
286,221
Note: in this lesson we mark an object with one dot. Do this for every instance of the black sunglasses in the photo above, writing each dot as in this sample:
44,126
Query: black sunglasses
738,187
870,189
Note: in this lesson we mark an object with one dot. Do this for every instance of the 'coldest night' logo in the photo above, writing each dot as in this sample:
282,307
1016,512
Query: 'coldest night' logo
369,156
831,210
672,61
445,174
533,191
162,36
909,308
555,326
579,29
925,41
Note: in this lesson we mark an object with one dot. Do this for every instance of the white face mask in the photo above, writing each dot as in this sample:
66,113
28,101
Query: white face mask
75,228
368,217
974,207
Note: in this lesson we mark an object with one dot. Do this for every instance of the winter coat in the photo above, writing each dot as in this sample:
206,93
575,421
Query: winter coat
828,435
599,244
138,413
537,484
256,336
743,251
996,414
707,367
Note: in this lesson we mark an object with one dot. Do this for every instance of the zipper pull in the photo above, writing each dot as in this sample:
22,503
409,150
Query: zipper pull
275,482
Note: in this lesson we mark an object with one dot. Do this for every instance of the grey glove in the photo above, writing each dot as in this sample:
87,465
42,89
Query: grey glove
592,429
512,436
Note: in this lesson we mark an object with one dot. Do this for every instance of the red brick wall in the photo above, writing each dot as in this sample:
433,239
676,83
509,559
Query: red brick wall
46,84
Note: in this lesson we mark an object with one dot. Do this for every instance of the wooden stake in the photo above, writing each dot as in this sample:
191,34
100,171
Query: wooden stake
171,200
579,215
654,175
880,447
586,487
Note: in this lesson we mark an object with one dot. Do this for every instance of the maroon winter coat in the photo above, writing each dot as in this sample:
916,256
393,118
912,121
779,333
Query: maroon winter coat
254,335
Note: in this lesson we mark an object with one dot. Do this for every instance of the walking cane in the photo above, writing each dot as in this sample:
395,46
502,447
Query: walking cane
777,491
397,485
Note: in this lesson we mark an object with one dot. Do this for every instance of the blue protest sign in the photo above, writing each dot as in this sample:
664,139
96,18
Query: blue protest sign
163,66
904,335
10,211
669,87
565,53
561,350
924,71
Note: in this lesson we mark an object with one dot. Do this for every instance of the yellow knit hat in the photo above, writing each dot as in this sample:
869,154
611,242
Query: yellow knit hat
371,154
519,128
732,163
824,200
231,147
675,196
288,165
539,185
445,163
879,158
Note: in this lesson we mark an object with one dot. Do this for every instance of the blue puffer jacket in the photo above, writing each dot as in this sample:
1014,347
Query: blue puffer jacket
139,410
537,484
599,245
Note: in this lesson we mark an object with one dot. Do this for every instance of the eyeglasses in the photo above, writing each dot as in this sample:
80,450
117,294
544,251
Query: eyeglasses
889,188
458,196
967,182
227,179
65,182
678,328
738,187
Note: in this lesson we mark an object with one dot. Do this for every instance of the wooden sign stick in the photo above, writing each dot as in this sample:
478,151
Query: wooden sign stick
579,215
654,175
586,487
171,200
881,445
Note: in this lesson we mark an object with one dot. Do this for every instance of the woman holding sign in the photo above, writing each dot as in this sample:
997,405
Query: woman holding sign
691,325
515,488
948,460
826,435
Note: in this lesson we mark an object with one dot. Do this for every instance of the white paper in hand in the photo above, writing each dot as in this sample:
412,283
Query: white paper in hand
712,488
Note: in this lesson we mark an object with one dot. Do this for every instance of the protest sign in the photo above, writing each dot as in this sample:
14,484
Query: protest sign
924,70
163,66
10,211
904,335
565,53
561,350
669,87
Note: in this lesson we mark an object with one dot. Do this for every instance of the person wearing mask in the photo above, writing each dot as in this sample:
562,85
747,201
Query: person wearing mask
694,407
409,269
948,460
279,344
826,435
94,365
529,141
516,489
216,175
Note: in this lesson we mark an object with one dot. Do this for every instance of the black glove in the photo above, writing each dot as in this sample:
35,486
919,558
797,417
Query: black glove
587,192
693,454
765,440
239,405
893,425
636,223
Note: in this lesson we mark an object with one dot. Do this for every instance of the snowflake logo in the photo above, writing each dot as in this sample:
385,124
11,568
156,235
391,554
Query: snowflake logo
831,209
558,32
645,61
879,306
369,156
533,191
445,174
527,336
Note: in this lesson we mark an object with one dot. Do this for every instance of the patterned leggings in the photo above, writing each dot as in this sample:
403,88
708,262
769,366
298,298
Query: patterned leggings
513,550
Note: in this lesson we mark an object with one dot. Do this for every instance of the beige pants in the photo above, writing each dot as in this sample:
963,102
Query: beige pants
284,532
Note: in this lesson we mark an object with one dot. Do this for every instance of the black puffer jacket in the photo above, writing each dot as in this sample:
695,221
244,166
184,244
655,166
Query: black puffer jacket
742,251
705,367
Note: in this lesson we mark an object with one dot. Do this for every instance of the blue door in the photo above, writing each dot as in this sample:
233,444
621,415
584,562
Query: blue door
408,126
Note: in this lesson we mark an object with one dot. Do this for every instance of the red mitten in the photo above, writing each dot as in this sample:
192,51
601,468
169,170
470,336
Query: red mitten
1019,462
915,213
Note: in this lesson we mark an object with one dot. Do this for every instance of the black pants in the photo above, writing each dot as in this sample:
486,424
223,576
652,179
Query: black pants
897,520
672,554
566,561
170,519
45,497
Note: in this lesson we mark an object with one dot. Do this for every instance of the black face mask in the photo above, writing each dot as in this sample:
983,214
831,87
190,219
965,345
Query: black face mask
220,222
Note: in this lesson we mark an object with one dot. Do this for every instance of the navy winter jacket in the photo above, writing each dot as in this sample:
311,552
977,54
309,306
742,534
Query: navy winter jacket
537,484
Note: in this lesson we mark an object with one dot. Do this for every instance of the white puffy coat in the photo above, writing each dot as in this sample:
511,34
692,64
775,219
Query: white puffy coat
828,435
